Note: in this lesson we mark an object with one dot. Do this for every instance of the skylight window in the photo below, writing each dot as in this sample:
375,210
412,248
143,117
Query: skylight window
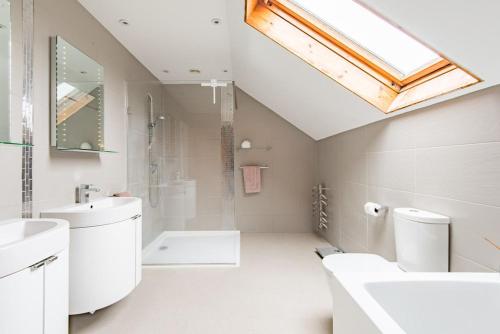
359,49
377,36
64,90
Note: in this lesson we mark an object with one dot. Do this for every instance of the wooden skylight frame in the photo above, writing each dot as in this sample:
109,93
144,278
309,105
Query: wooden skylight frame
330,53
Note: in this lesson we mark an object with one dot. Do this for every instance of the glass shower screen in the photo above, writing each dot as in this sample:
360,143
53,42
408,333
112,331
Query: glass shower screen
189,140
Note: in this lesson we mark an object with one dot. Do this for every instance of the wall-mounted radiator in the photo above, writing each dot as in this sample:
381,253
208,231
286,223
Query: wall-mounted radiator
320,203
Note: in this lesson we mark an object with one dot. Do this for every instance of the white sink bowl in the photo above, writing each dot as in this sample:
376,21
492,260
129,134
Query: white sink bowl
103,211
24,242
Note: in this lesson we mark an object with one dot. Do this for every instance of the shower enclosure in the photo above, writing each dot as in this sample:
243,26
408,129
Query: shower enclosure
181,163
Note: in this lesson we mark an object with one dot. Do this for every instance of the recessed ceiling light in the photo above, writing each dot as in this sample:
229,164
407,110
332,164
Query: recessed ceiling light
124,22
194,71
216,21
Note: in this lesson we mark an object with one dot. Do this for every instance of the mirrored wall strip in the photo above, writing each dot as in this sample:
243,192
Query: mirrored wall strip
27,111
227,152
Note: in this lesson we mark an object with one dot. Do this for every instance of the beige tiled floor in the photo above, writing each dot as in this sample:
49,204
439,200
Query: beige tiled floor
279,288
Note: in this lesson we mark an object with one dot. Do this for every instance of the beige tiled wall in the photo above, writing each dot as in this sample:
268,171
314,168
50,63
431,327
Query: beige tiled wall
284,205
445,159
55,174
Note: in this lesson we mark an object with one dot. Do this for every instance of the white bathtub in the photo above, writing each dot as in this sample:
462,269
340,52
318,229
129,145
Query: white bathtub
416,303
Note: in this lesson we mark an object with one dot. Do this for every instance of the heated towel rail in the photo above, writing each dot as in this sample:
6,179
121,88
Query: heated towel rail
320,203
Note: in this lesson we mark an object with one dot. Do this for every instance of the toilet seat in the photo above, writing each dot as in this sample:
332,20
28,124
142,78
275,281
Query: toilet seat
358,262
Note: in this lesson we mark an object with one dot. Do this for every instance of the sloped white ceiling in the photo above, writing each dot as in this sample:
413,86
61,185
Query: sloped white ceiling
177,35
170,35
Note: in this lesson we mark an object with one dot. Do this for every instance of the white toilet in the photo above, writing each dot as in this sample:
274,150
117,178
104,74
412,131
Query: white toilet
422,241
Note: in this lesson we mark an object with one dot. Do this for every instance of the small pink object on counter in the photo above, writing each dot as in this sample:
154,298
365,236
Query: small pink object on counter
251,179
123,194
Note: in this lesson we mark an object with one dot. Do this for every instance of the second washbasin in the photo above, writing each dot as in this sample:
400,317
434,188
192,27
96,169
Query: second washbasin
107,210
26,241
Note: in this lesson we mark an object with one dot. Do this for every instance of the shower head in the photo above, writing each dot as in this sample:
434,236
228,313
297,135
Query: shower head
158,118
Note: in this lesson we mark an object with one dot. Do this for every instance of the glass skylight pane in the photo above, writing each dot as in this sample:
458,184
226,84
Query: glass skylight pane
372,33
64,90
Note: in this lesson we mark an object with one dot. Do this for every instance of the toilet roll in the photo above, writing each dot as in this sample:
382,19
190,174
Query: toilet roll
374,209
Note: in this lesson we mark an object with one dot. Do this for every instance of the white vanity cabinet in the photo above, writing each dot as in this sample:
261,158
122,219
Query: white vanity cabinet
34,255
35,299
104,264
56,288
105,252
22,298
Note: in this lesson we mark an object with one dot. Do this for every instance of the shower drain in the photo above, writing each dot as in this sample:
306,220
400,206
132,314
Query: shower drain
162,248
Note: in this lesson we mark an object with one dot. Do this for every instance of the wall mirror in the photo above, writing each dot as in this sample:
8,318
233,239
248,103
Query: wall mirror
5,79
77,101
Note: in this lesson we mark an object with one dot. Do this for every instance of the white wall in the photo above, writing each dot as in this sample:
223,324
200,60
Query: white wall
56,174
445,159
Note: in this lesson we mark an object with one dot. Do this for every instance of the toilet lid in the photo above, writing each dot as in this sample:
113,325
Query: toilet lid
421,216
358,262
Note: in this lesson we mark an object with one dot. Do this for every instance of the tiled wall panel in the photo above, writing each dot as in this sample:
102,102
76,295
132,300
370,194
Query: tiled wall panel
444,158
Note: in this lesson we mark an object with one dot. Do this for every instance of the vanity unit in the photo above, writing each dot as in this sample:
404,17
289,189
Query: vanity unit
105,251
34,276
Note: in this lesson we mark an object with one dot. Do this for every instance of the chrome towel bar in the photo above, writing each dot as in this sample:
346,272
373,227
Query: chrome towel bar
261,167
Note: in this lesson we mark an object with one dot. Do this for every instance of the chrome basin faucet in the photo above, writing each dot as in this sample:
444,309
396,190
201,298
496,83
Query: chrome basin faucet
83,192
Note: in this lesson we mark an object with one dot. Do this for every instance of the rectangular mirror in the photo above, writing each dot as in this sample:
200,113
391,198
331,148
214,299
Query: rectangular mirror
77,101
5,51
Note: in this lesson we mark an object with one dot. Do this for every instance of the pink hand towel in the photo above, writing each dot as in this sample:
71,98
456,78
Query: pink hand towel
251,179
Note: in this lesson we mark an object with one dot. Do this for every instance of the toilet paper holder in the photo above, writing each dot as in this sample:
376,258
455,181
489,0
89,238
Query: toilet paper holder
375,209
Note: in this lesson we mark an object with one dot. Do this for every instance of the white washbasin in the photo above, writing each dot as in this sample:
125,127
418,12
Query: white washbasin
24,242
107,210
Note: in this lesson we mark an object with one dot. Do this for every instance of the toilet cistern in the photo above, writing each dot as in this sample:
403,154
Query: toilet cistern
83,192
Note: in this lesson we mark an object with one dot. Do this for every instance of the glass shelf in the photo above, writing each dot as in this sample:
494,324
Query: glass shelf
14,144
265,148
84,150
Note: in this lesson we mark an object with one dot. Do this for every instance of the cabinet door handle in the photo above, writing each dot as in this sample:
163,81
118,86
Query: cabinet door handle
136,217
51,259
37,265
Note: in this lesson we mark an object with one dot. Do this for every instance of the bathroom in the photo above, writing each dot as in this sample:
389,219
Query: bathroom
186,197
